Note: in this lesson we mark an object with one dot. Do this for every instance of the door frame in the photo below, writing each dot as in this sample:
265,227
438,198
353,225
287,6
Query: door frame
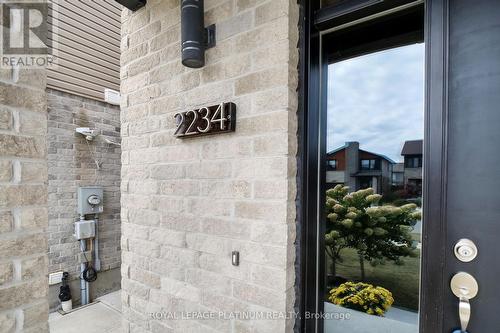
314,23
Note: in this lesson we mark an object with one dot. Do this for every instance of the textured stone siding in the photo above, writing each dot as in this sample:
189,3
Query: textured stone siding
186,204
23,201
70,165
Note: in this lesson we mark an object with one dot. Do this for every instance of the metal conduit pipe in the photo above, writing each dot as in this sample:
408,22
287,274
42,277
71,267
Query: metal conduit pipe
97,261
84,285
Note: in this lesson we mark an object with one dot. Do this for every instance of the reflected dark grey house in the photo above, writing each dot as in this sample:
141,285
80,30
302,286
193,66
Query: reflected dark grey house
358,168
412,153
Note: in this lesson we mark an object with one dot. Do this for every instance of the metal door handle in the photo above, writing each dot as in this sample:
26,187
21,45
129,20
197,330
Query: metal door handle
465,287
464,313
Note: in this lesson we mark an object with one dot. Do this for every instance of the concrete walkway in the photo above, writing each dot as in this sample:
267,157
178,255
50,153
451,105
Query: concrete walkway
102,316
395,321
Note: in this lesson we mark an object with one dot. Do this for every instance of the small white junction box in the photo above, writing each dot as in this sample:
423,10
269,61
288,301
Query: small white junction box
112,96
84,229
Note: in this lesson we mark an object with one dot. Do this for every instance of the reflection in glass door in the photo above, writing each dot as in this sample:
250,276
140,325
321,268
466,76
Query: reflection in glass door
374,192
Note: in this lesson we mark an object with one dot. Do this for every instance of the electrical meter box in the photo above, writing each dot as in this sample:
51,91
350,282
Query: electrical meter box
90,200
84,229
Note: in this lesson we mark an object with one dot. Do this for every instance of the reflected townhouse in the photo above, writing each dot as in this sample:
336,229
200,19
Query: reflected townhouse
358,168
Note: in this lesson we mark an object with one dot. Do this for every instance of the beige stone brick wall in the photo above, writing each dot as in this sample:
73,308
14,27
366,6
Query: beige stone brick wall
186,204
23,201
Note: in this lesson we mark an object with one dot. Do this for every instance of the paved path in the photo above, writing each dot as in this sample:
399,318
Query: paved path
103,316
395,321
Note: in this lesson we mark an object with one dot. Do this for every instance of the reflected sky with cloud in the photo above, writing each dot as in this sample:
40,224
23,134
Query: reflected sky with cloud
377,100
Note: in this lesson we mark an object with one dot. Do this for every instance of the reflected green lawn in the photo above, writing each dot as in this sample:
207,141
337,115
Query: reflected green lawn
402,281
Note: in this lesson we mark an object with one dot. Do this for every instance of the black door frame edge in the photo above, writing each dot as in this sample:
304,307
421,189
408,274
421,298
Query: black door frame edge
307,146
433,284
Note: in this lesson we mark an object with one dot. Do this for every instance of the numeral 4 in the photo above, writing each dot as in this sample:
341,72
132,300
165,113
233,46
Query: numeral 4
221,114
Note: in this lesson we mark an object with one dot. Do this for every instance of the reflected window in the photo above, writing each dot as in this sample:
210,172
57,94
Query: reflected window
368,164
332,164
397,178
414,162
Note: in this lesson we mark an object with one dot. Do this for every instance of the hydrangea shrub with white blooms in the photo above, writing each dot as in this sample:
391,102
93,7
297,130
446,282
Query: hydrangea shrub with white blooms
377,232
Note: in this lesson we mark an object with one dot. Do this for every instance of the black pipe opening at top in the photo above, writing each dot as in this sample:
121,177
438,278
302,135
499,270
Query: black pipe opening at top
193,33
133,5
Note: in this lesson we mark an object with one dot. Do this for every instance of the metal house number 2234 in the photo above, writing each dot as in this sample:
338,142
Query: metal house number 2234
213,119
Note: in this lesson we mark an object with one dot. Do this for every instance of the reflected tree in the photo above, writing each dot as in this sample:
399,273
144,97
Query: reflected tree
377,232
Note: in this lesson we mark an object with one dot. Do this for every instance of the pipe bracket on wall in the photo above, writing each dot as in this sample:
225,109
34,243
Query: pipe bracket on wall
210,37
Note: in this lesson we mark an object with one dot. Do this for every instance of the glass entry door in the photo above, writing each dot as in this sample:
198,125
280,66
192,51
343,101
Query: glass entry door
401,210
370,139
373,207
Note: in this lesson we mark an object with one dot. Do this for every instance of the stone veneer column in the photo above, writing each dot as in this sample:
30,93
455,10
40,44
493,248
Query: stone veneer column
186,204
23,201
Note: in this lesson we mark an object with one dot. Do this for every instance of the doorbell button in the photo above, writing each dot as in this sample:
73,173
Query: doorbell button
465,250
